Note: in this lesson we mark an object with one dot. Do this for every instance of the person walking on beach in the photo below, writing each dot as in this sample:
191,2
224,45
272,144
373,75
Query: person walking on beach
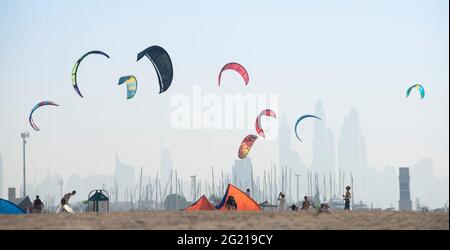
282,199
347,197
66,197
37,205
64,206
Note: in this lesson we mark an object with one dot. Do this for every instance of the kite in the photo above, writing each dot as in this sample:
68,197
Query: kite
300,119
246,145
418,87
77,64
266,112
131,82
162,64
44,103
236,67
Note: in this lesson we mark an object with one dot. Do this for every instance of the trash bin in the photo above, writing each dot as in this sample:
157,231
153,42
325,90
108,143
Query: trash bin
98,201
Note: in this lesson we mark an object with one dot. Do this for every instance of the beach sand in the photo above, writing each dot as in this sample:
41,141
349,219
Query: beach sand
230,220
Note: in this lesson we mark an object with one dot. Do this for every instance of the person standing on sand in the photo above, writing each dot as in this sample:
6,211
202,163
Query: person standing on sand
347,197
282,200
37,205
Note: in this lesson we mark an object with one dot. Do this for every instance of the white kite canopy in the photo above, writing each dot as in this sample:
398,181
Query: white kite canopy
65,209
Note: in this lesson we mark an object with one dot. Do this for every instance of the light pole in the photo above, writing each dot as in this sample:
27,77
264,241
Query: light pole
24,135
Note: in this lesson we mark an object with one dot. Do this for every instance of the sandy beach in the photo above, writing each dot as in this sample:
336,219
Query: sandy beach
230,220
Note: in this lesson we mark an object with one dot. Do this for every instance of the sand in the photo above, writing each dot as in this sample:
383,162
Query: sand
230,220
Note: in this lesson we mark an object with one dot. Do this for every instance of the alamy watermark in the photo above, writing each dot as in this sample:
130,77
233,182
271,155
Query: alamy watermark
222,111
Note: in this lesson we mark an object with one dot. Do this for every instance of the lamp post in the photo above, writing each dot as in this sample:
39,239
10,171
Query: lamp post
24,135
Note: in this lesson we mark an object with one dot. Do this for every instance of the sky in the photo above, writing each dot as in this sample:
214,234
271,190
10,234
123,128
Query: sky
348,54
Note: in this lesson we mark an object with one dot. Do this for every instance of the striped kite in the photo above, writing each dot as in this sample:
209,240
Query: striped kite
299,120
77,64
236,67
419,88
266,112
30,118
246,145
131,82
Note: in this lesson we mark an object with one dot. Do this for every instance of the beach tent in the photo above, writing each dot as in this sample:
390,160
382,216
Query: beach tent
7,207
201,204
244,202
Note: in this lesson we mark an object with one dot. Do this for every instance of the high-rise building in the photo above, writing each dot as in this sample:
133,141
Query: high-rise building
405,203
242,173
287,156
124,177
352,156
324,151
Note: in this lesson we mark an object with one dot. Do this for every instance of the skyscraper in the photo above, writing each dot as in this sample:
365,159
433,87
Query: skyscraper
242,173
324,152
287,156
405,203
352,156
124,177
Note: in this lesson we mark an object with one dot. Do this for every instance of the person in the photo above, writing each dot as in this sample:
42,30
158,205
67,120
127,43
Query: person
282,199
231,203
248,192
306,203
37,205
324,208
294,207
347,196
67,196
64,207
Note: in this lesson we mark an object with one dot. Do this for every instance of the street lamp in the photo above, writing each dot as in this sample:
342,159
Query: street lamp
24,135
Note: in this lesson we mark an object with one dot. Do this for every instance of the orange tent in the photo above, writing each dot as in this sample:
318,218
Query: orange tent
201,204
244,202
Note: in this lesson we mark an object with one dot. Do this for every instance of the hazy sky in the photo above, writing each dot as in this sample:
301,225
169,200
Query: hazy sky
349,54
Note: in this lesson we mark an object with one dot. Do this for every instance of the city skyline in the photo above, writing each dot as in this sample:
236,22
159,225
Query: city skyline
370,185
348,55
